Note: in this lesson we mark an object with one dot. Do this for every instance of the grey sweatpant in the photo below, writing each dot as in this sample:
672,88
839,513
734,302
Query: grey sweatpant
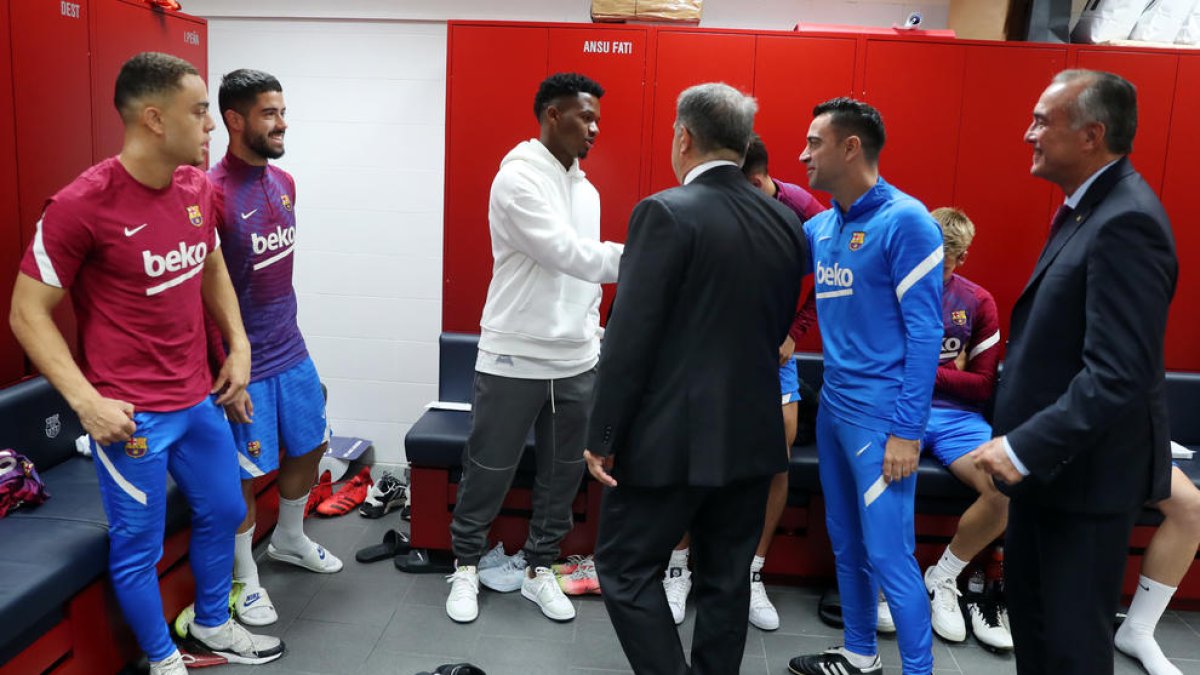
503,410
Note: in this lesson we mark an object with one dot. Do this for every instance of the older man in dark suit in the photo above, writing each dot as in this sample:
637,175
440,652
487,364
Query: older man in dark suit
1080,411
685,429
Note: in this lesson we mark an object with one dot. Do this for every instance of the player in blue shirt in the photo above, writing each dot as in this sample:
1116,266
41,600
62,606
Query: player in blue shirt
877,256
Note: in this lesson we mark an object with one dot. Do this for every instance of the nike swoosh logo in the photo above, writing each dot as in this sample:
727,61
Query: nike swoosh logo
824,238
247,215
130,232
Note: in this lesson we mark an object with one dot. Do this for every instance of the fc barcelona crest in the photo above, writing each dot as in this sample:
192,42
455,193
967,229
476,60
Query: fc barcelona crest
53,426
136,447
959,317
287,202
254,448
857,239
195,216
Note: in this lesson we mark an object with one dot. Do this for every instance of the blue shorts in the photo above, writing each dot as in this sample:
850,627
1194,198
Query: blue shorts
951,433
289,408
789,383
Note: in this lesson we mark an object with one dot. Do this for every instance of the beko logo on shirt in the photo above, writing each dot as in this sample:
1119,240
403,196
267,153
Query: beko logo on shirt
275,241
182,258
842,277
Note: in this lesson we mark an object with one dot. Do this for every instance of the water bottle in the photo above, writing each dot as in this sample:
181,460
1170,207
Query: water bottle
976,581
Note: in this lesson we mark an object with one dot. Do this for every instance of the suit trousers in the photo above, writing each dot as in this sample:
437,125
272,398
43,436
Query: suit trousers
639,526
1062,577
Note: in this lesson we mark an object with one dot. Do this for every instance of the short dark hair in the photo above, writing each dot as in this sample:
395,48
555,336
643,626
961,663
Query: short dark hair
851,117
559,85
756,156
240,89
148,73
1108,99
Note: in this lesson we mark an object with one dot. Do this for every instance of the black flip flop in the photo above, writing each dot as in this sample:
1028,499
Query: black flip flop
422,561
394,543
458,669
830,608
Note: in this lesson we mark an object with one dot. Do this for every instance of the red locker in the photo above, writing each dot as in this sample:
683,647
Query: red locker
918,87
12,359
120,29
1179,196
1008,206
685,59
486,115
1154,76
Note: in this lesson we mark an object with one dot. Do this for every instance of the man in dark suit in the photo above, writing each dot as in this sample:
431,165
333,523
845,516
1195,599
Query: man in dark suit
685,429
1081,420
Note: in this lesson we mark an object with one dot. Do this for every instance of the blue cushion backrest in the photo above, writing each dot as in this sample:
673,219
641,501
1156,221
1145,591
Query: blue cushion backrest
456,370
1183,406
36,422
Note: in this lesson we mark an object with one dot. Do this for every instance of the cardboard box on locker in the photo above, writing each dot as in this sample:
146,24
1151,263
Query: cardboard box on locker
677,11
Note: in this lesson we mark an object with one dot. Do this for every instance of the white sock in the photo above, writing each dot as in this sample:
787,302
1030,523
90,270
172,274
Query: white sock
950,566
756,565
245,570
173,655
858,660
679,558
1135,637
289,531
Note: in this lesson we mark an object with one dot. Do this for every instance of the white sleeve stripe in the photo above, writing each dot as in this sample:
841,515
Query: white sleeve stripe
991,341
918,272
42,258
250,467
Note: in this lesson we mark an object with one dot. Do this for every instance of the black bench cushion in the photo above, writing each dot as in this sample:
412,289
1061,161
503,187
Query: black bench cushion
456,368
37,422
436,441
1183,405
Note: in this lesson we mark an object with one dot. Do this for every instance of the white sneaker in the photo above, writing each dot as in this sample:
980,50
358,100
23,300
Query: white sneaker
884,623
463,603
253,607
239,645
542,588
988,627
946,616
172,665
506,577
315,559
762,613
493,558
677,582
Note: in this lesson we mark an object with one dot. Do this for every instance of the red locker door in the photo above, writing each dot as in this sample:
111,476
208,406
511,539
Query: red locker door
12,359
487,114
918,88
1008,206
685,59
1179,196
121,29
793,74
1154,77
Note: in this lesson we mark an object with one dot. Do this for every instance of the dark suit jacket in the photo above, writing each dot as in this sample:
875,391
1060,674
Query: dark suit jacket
688,384
1081,397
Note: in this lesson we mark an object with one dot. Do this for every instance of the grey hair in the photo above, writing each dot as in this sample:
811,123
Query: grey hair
718,116
1108,99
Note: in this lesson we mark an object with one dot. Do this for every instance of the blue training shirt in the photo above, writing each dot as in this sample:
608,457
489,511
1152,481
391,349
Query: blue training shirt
878,282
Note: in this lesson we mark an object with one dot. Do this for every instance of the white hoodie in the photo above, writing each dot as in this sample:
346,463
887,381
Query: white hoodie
543,303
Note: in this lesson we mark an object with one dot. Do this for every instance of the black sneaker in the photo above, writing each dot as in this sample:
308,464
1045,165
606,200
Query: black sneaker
388,493
830,662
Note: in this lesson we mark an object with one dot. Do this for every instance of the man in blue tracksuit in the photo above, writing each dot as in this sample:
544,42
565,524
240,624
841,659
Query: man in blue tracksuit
877,257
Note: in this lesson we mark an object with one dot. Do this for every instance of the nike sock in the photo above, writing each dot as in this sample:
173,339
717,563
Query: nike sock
289,531
756,565
950,566
245,570
679,558
858,660
1135,637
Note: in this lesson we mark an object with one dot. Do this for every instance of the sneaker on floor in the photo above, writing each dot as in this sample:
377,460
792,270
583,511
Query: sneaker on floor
185,616
986,624
172,665
831,661
677,582
387,494
884,623
254,608
494,557
351,495
506,577
319,492
581,579
239,645
462,605
542,589
762,613
946,615
315,559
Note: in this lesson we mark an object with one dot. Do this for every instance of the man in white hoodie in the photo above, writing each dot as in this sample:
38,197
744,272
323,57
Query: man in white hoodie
538,348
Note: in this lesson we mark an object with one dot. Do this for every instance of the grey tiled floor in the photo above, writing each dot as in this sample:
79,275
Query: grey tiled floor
375,620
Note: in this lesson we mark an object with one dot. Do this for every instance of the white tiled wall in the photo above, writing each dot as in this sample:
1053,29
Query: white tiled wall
365,84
